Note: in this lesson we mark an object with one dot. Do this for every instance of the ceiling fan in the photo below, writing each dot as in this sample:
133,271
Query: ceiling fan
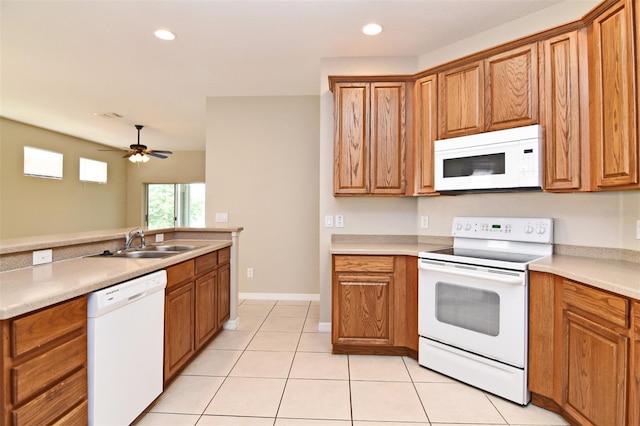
138,153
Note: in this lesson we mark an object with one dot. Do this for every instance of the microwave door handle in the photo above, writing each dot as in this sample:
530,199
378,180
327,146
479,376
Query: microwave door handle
512,280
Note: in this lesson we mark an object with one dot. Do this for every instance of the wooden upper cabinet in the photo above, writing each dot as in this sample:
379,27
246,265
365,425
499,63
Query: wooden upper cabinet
370,138
511,88
461,101
564,103
426,112
351,138
614,101
388,144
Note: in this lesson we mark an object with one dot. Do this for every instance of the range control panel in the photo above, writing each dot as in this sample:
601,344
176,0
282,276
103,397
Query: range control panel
527,229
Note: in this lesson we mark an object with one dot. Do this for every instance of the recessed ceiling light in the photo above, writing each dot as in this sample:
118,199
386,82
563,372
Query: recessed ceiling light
372,29
165,35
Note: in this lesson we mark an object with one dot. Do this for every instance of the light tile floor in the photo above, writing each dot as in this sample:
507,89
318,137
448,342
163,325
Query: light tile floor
277,370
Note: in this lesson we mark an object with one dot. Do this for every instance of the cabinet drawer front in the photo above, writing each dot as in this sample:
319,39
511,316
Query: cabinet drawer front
77,416
35,330
179,273
224,255
67,395
36,374
604,305
363,263
206,262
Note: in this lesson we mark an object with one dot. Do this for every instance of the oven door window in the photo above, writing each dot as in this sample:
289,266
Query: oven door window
478,165
469,308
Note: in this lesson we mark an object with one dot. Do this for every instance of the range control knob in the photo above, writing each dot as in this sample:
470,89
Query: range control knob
467,227
458,226
540,229
528,229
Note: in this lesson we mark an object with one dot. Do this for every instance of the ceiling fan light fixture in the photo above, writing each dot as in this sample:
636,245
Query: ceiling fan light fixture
139,158
163,34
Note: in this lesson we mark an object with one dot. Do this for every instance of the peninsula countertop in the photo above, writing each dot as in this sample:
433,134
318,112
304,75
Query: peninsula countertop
27,289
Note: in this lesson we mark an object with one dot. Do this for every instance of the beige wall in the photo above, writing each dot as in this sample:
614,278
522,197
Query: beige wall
179,167
262,169
34,206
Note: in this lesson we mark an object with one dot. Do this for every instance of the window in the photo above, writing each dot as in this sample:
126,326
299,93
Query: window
93,171
42,163
175,204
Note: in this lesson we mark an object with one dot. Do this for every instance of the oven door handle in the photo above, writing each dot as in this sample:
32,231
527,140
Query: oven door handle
493,276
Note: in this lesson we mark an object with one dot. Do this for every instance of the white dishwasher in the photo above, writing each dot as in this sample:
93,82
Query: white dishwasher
125,349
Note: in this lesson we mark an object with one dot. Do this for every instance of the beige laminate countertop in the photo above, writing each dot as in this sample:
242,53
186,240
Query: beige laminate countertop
619,277
25,290
612,275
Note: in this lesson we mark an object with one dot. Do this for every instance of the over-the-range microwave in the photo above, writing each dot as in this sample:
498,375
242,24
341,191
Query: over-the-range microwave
499,161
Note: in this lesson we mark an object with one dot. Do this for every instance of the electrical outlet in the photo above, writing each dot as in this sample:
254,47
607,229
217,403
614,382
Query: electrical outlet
42,256
424,222
159,238
249,272
222,217
328,221
339,221
638,229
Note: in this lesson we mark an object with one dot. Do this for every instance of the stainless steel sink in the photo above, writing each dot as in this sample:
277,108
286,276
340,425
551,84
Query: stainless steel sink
168,248
144,254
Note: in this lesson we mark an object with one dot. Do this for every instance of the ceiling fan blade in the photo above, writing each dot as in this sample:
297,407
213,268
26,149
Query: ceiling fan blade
155,154
160,152
115,149
128,154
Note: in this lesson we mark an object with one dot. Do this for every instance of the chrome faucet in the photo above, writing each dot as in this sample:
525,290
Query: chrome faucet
135,232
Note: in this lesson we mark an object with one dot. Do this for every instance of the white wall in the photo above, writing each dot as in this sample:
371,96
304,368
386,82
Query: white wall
262,169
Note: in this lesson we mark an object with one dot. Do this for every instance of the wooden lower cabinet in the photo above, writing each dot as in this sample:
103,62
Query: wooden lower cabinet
582,352
197,290
44,366
634,393
374,305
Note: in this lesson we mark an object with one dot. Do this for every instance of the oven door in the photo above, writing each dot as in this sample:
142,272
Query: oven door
477,309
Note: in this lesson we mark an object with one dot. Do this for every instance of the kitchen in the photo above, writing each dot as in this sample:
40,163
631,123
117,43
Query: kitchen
595,219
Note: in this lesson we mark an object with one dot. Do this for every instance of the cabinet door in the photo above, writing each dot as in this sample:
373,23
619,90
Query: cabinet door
511,84
461,101
426,108
363,311
388,138
562,117
179,328
351,138
614,127
206,307
595,369
224,294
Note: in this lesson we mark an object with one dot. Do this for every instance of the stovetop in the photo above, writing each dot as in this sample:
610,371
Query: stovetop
510,243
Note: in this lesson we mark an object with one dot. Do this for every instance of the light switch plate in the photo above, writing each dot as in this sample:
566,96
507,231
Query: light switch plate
339,221
42,256
424,222
328,221
159,238
222,217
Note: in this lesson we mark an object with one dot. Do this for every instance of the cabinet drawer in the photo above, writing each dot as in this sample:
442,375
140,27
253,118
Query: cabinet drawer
77,416
363,263
206,262
35,330
38,373
180,273
66,394
224,255
607,306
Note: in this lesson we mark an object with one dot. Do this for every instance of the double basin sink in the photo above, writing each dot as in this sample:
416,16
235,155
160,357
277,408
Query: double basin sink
148,252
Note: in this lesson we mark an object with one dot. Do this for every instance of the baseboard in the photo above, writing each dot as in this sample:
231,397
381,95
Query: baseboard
231,324
279,296
324,327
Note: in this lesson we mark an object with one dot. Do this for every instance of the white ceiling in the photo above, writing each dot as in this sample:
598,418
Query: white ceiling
63,61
